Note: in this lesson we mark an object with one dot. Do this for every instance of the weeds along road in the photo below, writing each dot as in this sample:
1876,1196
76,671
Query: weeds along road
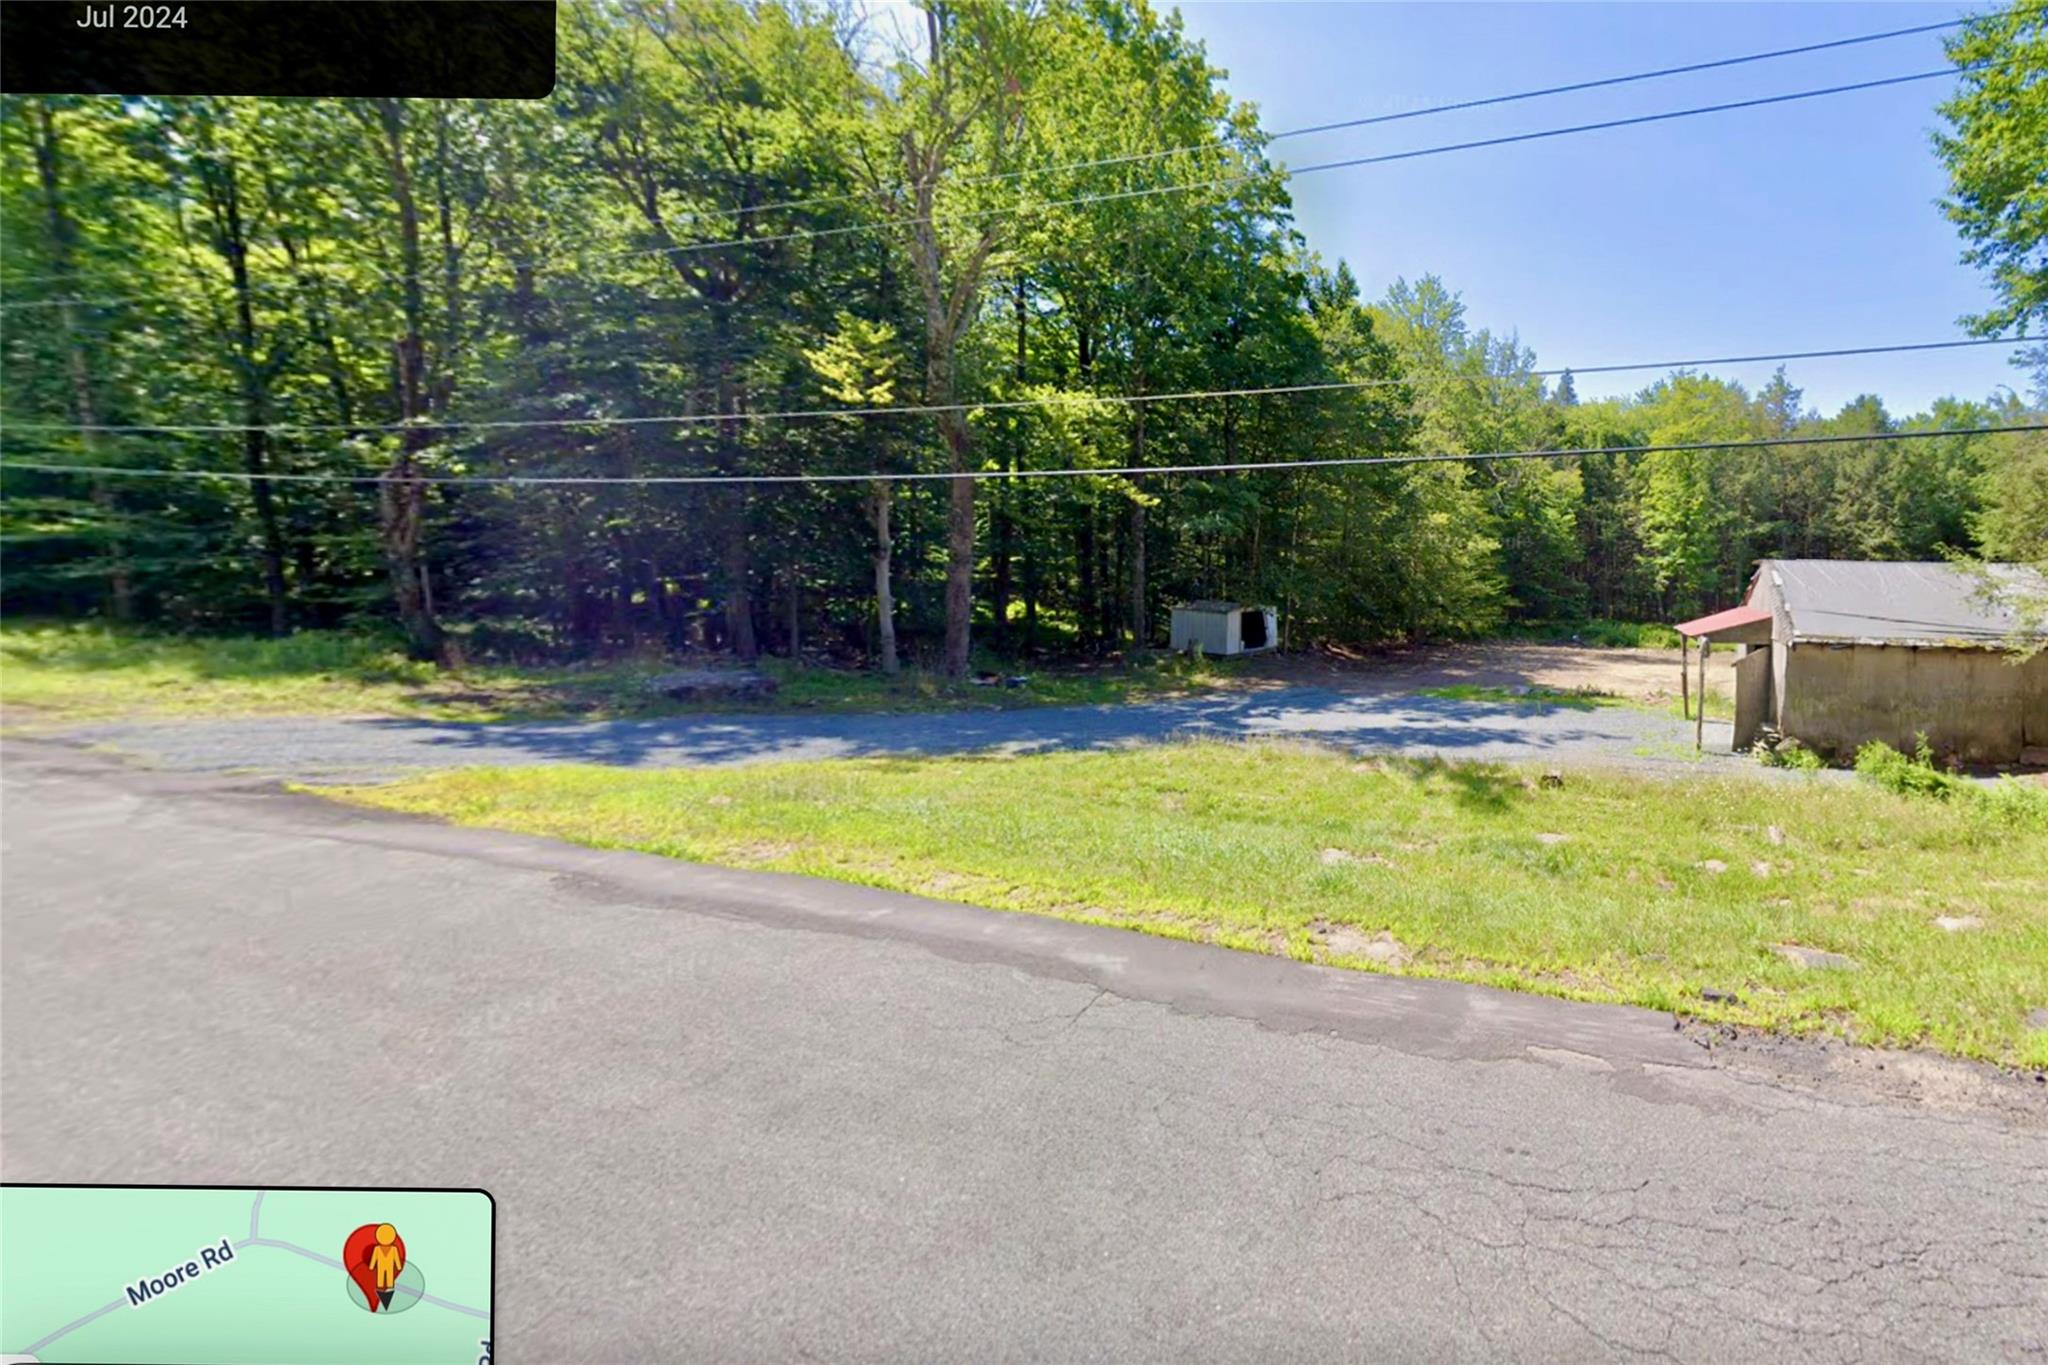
317,746
773,1118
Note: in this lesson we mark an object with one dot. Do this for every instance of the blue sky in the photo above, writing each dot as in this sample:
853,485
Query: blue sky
1793,227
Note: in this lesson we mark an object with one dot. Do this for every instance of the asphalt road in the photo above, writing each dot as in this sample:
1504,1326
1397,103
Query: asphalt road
324,746
734,1116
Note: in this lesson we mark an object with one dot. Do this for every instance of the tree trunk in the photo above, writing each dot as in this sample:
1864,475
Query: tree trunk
1140,622
735,562
226,193
255,459
1106,575
63,239
401,493
1003,498
885,600
1085,616
1030,604
959,546
734,567
796,616
1141,625
402,510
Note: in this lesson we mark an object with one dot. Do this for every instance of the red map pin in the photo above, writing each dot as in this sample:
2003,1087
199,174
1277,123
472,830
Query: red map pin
373,1255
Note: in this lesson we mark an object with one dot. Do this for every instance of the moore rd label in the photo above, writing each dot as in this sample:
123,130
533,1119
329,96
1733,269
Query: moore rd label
207,1258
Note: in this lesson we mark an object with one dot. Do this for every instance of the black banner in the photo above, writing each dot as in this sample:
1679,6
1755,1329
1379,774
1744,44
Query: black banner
475,49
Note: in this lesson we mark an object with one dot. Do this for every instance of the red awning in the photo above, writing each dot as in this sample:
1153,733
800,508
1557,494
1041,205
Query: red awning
1732,619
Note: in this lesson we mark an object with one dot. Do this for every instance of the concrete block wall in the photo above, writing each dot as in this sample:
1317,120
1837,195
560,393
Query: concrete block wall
1976,706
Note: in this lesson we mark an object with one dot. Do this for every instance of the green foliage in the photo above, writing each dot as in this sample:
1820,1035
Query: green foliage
1790,753
2011,804
1913,775
2005,804
1602,634
1996,151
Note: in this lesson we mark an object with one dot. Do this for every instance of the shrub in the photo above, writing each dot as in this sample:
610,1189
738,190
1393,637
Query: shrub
1790,753
1908,776
2005,805
2013,805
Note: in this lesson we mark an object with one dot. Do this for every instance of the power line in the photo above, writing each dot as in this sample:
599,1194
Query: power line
1224,182
1219,182
993,405
1361,122
981,475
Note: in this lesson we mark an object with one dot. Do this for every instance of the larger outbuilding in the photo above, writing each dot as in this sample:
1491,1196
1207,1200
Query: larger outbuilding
1836,653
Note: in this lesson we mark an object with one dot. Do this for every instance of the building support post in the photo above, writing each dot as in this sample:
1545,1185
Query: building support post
1699,730
1684,671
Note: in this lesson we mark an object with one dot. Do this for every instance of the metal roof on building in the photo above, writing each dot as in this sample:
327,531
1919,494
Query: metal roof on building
1869,602
1732,619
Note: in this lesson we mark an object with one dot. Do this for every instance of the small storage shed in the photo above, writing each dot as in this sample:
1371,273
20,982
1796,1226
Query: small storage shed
1224,628
1836,653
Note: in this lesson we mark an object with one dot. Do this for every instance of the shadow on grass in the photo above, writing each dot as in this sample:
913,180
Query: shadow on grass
1487,788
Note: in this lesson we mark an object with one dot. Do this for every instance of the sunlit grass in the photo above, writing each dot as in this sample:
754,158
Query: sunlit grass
1576,699
1604,889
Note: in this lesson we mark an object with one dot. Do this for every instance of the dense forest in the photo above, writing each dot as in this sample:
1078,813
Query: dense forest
1037,224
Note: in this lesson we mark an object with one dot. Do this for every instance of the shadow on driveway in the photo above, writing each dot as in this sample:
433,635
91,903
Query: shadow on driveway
1409,725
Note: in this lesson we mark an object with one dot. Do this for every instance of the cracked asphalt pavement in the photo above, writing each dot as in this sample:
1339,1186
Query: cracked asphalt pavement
732,1116
334,747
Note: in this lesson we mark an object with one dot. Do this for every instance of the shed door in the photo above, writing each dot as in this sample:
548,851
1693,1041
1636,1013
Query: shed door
1752,695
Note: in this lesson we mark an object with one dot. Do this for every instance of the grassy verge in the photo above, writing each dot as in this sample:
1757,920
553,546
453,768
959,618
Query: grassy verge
83,672
1576,699
1720,705
1666,894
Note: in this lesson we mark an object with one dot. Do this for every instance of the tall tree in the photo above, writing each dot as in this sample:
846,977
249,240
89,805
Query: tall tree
958,112
1996,151
52,168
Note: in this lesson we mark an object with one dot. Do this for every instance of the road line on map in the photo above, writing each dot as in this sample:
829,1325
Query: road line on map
69,1327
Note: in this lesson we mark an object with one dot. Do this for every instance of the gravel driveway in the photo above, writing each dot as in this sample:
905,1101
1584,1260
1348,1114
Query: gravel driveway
343,748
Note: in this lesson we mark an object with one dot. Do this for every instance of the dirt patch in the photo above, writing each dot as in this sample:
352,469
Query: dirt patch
1837,1070
1338,857
1644,675
1349,941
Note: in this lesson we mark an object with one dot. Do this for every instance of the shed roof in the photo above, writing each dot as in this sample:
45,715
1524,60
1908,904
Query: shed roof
1729,621
1210,605
1870,602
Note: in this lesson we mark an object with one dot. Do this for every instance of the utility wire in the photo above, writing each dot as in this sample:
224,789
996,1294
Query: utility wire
993,405
1362,122
979,475
1289,172
1219,182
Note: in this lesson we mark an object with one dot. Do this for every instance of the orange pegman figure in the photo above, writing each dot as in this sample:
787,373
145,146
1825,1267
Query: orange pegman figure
386,1261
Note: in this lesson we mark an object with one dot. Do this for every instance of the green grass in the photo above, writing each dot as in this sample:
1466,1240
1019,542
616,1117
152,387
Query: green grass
1597,890
1720,705
88,672
1576,699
